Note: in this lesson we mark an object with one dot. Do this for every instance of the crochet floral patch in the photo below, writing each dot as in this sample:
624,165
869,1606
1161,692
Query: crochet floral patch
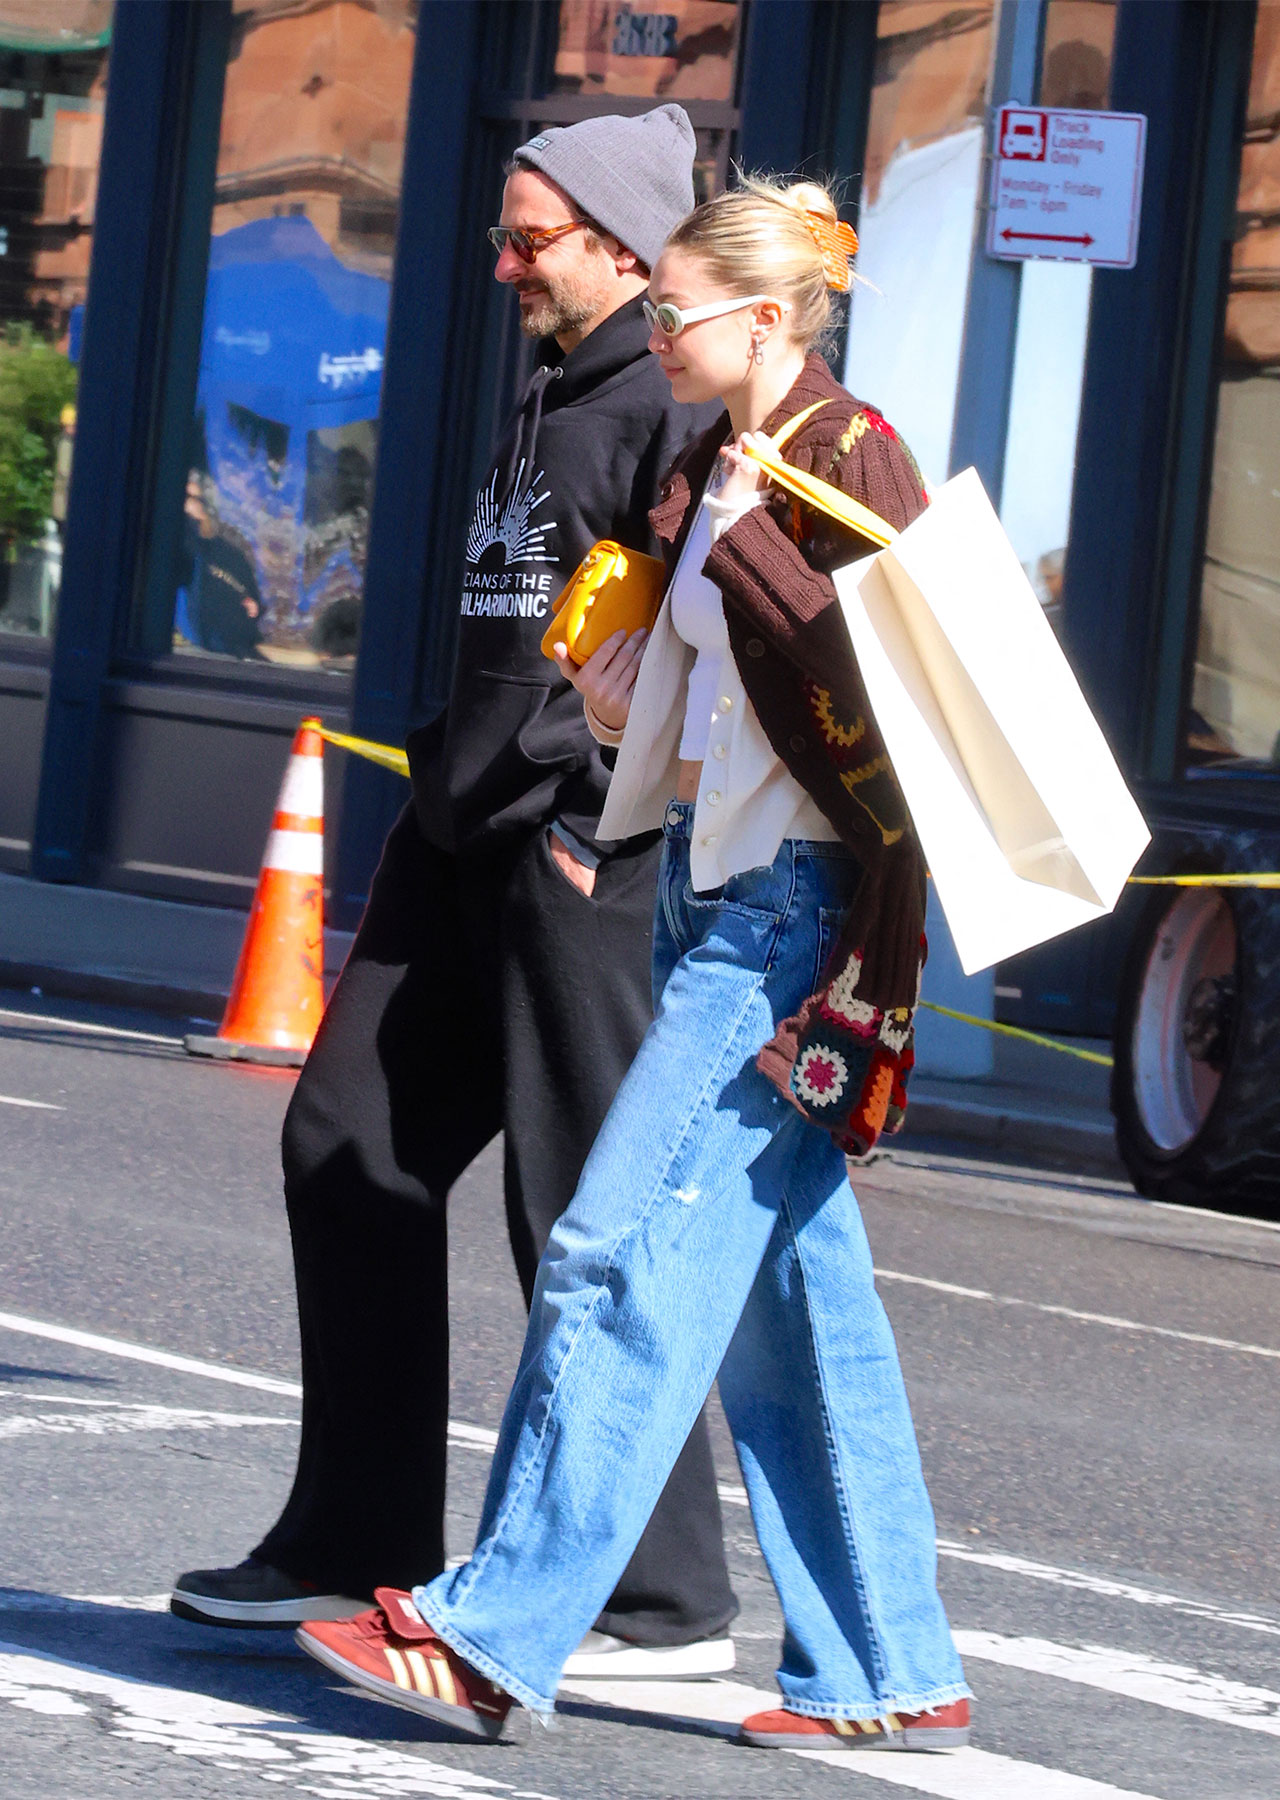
852,1061
820,1076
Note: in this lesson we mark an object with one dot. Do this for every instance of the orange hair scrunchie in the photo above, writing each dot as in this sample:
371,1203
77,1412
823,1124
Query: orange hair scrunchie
838,243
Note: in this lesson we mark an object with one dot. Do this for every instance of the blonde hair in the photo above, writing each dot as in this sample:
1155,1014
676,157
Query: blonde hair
756,240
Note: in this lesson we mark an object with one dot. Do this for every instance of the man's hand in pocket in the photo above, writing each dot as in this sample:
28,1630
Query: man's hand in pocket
576,873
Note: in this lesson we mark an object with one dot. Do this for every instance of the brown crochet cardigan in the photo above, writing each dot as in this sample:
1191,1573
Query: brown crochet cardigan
843,1059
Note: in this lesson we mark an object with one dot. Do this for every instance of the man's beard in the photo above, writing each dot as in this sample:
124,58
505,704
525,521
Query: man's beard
566,304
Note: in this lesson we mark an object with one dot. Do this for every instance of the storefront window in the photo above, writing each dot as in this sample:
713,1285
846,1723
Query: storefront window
920,186
686,50
1234,717
269,563
53,76
1053,323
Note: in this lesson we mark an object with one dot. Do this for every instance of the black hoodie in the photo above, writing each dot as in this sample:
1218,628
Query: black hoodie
582,459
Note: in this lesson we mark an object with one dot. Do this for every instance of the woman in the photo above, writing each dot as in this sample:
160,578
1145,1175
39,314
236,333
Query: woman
714,1228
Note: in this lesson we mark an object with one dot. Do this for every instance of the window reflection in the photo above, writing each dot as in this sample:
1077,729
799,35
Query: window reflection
673,50
1235,700
920,186
276,511
683,50
1053,325
53,71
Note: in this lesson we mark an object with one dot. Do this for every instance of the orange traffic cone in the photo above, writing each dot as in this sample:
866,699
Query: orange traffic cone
277,995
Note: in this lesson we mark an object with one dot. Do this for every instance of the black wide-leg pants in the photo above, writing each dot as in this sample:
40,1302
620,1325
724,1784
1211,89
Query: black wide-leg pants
480,996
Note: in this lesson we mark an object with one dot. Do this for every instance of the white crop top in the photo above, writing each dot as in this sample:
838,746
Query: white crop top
697,616
689,705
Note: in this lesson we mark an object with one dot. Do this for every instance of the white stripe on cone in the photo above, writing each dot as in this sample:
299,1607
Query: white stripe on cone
302,792
295,852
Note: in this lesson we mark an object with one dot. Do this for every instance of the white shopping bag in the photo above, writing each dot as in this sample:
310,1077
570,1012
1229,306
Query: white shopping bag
1025,820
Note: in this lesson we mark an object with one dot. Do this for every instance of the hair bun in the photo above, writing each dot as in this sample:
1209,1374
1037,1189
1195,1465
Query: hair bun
810,197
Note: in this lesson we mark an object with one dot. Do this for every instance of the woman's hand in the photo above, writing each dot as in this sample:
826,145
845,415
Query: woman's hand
743,478
607,678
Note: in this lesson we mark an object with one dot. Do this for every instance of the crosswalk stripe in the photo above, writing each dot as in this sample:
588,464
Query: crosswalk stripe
1107,1587
970,1775
143,1353
958,1775
1130,1673
227,1735
102,1418
480,1437
1110,1320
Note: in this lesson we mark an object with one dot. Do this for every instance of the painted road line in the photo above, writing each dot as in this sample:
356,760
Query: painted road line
1137,1677
115,1031
279,1749
1084,1318
1107,1588
161,1359
109,1418
971,1775
958,1775
469,1437
480,1437
35,1105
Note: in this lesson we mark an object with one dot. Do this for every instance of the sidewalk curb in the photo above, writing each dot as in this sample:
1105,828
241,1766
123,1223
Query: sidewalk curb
114,990
1044,1136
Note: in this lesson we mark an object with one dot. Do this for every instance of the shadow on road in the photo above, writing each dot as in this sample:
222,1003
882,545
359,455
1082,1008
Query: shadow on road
259,1669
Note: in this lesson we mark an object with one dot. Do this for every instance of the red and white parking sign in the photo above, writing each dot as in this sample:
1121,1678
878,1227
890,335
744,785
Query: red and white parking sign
1067,185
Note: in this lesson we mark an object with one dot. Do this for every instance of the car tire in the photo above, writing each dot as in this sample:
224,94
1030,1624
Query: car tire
1195,1088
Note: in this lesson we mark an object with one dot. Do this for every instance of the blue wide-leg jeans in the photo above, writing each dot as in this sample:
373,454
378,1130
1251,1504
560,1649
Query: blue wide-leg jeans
714,1229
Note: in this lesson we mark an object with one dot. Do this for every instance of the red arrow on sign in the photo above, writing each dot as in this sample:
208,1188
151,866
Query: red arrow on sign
1045,237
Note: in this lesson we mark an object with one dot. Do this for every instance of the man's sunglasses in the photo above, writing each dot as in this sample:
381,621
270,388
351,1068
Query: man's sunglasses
527,244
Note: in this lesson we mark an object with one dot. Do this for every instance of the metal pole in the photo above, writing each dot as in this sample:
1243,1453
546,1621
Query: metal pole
985,380
978,433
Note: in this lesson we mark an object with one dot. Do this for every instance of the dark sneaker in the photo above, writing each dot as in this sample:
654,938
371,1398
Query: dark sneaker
253,1594
944,1728
392,1652
600,1657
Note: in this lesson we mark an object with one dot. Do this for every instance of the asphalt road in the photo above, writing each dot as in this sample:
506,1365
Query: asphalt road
1094,1380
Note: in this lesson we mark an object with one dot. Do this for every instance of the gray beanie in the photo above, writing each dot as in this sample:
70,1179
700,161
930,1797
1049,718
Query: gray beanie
633,176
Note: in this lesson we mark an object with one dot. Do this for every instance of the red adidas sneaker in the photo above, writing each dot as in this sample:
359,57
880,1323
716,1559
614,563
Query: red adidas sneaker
946,1728
391,1651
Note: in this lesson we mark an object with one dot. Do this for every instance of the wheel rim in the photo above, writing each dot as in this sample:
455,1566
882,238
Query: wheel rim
1183,1018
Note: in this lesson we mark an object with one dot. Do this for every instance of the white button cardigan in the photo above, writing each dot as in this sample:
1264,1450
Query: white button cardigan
747,801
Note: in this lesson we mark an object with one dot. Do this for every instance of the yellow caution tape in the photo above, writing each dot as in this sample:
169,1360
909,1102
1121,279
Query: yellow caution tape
1031,1037
1267,879
387,757
383,754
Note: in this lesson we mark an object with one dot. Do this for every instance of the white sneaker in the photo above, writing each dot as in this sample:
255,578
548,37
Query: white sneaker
600,1657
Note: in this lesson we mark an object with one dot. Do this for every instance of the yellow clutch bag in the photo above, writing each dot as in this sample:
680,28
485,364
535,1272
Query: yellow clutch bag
611,589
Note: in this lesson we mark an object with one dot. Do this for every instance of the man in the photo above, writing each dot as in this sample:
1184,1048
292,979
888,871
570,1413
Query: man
500,978
224,603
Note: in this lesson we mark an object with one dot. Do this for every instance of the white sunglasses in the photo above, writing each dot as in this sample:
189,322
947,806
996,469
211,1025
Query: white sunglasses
671,320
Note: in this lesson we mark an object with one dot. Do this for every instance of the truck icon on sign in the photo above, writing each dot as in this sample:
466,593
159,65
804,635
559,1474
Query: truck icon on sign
1021,135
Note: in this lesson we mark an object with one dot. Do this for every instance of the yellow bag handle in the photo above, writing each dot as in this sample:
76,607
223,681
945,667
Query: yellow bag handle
812,489
784,434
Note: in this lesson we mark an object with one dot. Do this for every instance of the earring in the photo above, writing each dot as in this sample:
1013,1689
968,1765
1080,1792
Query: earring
757,353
